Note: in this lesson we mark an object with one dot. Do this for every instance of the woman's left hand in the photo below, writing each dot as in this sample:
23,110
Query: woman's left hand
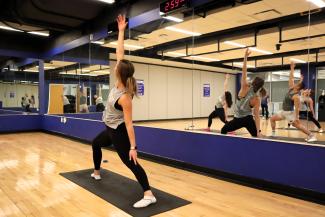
133,155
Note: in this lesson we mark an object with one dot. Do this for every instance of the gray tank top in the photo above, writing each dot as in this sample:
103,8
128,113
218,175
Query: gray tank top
219,102
243,107
287,104
112,116
303,103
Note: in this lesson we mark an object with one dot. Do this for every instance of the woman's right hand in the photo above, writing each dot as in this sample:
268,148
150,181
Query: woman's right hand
121,22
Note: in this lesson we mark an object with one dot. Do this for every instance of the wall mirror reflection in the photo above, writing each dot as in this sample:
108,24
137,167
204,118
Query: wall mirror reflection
19,87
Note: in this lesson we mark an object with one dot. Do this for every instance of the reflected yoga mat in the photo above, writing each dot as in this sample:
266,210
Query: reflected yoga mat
293,128
294,139
123,192
219,131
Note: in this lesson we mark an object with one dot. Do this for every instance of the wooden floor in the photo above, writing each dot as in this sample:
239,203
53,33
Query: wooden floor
217,125
30,185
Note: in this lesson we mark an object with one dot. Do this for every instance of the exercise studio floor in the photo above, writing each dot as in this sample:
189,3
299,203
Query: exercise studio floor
30,184
200,124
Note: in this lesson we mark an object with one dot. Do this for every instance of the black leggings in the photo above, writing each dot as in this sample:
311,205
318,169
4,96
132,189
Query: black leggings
120,139
248,122
218,112
265,109
309,116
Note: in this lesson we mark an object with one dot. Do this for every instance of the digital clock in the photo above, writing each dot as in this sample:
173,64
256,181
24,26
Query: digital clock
172,5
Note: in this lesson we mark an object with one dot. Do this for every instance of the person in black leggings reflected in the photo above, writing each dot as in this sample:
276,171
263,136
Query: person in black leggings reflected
224,102
118,120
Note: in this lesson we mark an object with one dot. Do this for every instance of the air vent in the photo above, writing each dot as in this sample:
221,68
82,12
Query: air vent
267,14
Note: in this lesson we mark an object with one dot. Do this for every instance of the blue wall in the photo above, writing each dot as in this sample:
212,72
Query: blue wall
279,162
296,165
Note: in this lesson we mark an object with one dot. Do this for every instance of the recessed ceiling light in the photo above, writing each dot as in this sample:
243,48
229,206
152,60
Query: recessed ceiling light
128,45
241,65
251,48
297,60
175,53
45,34
107,1
97,42
175,19
234,44
318,3
183,31
260,51
9,28
205,58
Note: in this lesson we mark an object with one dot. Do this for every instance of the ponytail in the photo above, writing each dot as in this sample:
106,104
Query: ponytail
131,86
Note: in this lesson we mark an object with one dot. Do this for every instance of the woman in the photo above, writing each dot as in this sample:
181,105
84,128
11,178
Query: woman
291,106
265,107
307,108
224,102
248,99
118,119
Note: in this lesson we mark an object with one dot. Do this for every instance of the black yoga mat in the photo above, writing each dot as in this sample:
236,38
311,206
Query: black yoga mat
123,192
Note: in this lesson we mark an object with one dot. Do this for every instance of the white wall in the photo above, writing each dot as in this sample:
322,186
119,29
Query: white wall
19,91
171,93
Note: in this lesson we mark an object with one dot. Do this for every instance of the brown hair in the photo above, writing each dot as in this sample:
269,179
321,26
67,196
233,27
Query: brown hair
257,84
263,92
125,71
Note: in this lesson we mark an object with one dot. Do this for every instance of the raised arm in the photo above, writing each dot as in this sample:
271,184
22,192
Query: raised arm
244,84
120,42
291,76
225,84
244,75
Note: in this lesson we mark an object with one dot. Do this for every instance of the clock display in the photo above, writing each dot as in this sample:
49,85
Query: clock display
172,5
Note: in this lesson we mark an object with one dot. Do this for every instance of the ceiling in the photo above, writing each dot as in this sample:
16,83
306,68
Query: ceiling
236,17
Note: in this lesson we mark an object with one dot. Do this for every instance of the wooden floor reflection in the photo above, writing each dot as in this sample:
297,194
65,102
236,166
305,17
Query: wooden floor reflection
217,125
30,185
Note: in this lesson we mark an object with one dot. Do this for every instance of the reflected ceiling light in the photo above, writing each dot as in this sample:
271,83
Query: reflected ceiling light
128,45
260,51
45,34
175,53
84,70
318,3
47,67
97,42
183,31
175,19
9,28
205,58
251,48
297,60
234,44
107,1
241,65
30,70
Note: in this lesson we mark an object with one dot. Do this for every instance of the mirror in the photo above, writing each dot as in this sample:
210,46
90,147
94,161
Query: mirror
19,87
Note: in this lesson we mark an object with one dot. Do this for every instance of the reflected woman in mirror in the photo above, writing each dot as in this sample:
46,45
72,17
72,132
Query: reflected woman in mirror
291,107
224,102
248,103
118,120
307,108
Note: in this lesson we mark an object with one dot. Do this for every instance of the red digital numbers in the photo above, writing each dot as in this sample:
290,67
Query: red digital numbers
172,4
167,7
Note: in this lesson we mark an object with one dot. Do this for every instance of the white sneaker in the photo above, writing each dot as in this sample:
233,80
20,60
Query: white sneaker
273,134
145,201
96,177
311,138
321,130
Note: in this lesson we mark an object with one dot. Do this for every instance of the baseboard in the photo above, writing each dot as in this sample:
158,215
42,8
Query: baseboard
290,191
